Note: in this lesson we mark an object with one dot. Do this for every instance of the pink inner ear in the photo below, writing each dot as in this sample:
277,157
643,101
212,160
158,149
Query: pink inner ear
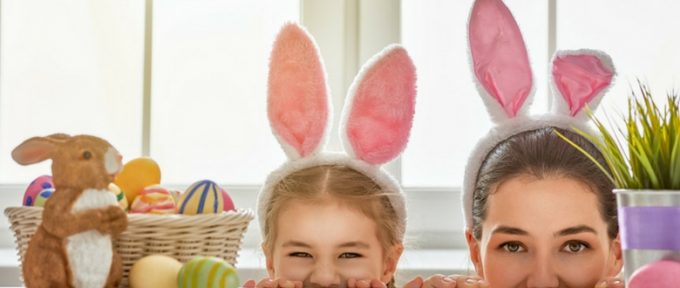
499,56
381,115
298,98
580,78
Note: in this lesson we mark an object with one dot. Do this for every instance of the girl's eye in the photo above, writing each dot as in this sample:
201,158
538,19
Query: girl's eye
349,255
300,254
575,247
513,247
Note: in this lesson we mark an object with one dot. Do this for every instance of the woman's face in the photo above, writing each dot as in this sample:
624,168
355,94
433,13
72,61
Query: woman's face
324,244
544,233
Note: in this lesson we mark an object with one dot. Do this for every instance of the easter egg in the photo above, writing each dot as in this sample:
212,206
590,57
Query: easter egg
659,274
120,196
137,174
207,272
37,185
42,197
202,197
154,200
228,203
155,271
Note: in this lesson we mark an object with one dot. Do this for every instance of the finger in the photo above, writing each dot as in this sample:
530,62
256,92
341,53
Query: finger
363,284
286,284
249,284
415,283
351,283
470,282
439,281
375,283
267,283
298,284
610,283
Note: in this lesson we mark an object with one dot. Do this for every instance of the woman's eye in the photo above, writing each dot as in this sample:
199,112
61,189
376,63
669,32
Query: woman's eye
574,247
513,247
300,254
348,255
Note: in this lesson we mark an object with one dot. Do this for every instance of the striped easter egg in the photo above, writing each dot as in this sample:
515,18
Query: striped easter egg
207,272
202,197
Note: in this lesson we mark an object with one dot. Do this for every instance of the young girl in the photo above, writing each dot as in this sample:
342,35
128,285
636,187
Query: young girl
334,219
538,212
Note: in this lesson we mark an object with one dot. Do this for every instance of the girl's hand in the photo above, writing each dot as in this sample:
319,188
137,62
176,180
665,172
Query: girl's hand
375,283
610,283
451,281
272,283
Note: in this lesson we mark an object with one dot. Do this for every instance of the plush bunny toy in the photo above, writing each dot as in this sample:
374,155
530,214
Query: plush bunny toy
376,122
501,67
72,247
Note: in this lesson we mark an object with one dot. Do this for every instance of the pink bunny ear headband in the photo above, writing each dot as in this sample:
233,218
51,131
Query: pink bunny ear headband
376,119
504,78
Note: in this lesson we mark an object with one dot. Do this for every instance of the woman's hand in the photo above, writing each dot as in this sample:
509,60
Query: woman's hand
451,281
272,283
610,283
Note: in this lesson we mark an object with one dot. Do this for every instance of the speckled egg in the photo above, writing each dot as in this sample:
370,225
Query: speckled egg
154,199
120,196
202,197
207,272
38,185
228,202
659,274
155,271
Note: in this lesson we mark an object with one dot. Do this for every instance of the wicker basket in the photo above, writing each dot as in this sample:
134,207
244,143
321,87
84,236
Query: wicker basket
181,237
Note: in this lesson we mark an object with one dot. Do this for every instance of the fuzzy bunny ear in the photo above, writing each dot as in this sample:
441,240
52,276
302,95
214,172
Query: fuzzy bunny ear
37,149
379,107
298,106
581,78
499,58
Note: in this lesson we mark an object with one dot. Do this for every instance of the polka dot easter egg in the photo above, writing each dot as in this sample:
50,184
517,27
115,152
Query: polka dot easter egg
207,272
154,200
202,197
37,186
42,197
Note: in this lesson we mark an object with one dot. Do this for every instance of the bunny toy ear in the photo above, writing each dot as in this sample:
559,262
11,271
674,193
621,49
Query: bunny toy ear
499,58
379,107
298,106
36,149
581,78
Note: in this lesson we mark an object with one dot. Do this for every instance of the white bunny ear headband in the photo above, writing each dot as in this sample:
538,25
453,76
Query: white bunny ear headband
376,120
504,80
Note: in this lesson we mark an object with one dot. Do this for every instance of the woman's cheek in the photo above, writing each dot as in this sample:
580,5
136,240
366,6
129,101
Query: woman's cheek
581,270
503,269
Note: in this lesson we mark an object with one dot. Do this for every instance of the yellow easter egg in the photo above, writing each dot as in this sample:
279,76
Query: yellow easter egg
137,174
155,271
208,272
120,196
202,197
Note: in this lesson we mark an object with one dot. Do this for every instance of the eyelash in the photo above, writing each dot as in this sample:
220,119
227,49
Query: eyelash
505,246
300,254
582,246
346,255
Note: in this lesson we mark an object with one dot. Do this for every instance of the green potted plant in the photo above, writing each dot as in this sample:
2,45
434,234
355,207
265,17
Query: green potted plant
644,161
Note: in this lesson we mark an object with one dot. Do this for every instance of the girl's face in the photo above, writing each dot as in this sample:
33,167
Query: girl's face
324,244
544,233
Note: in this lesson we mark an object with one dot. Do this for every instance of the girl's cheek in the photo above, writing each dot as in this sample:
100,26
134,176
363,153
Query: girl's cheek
359,269
293,270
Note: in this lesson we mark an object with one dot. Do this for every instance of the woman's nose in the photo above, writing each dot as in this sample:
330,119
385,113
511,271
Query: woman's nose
543,275
324,275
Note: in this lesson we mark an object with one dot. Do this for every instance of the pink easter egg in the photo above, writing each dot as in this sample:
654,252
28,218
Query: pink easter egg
228,203
659,274
41,183
153,200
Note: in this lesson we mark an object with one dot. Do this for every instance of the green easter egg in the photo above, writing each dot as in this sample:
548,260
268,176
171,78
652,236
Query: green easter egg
207,272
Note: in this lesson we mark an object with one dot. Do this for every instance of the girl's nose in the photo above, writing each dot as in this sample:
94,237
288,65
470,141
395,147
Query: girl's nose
324,275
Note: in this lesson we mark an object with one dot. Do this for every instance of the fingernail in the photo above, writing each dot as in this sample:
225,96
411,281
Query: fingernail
448,280
601,284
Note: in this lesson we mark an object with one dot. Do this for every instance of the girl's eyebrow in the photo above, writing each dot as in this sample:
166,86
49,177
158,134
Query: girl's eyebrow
355,244
296,244
575,230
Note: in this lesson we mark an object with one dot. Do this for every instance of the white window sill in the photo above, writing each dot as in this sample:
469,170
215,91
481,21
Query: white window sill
251,264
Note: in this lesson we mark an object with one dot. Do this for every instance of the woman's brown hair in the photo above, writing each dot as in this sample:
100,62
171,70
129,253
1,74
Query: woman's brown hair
541,153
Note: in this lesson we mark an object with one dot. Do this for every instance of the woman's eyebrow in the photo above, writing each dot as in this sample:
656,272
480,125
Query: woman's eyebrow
355,244
509,230
575,230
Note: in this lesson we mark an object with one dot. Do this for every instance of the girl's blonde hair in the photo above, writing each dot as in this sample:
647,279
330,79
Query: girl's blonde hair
334,183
